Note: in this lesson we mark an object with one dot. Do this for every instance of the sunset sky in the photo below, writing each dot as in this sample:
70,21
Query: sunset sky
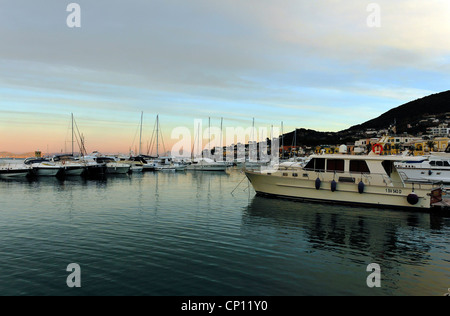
312,64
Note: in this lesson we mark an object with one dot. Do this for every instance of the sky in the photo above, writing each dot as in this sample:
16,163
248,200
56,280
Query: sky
323,64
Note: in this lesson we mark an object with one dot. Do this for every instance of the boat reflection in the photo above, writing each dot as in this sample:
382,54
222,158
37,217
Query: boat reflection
374,233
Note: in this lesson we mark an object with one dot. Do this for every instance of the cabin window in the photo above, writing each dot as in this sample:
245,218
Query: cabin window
359,166
433,163
439,163
335,165
446,164
316,164
295,174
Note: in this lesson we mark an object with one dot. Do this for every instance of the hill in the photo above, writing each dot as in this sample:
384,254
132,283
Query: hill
413,118
411,113
5,154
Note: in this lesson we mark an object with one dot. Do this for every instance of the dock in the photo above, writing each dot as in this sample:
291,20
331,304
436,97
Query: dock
441,203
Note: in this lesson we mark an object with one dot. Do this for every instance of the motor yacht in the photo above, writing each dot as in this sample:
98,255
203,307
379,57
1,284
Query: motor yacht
371,180
43,167
207,164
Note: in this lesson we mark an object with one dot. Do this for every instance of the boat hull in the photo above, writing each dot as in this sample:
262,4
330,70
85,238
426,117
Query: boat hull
344,193
46,171
136,169
425,175
117,170
74,171
206,168
8,174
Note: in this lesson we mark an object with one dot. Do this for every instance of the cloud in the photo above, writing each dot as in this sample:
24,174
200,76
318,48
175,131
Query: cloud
278,60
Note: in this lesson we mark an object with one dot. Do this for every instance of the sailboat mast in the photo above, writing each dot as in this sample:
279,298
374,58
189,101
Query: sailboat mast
282,141
157,136
209,137
221,139
72,135
140,135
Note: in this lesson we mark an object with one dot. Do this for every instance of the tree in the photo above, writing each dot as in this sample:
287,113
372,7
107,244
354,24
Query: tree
430,145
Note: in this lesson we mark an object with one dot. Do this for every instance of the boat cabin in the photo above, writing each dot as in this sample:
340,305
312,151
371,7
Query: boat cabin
352,164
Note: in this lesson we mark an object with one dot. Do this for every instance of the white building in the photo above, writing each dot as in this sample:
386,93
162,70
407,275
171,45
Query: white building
440,131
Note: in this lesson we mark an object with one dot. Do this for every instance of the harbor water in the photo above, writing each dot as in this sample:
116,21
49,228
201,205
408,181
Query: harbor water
194,233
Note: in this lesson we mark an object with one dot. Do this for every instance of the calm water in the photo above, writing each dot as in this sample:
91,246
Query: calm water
186,234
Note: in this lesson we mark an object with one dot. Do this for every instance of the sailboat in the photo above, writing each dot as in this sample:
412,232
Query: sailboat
162,163
206,163
68,163
140,162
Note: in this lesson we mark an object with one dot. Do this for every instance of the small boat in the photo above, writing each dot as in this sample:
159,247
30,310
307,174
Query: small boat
93,168
433,169
70,165
145,161
136,168
14,170
113,166
167,164
42,167
207,164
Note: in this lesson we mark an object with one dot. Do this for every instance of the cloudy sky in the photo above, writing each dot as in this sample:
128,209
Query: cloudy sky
313,64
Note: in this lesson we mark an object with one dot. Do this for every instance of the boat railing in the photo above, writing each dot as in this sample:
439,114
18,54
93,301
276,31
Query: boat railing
14,166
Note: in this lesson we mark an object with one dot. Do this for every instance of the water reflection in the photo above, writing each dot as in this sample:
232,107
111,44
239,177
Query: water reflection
189,234
381,232
397,240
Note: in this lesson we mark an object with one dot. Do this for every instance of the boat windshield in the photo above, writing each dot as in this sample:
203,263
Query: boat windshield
30,161
439,163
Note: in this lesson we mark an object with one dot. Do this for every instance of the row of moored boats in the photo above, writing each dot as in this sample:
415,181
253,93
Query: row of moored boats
99,165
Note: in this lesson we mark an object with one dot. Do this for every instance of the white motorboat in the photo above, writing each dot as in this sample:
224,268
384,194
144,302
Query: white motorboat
42,167
113,166
168,164
136,168
207,164
145,161
93,168
136,165
434,168
366,180
70,166
14,170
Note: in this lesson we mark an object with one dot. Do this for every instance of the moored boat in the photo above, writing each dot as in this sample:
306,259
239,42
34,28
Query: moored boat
207,164
434,168
42,167
70,165
367,180
14,170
